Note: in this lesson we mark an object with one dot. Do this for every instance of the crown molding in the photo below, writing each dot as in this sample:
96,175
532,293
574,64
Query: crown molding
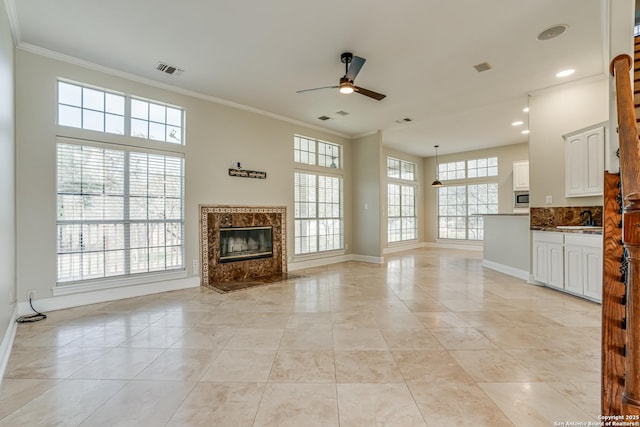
27,47
12,13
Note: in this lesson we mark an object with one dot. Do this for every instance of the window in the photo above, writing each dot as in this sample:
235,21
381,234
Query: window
119,212
400,169
156,121
318,213
315,152
92,109
98,110
458,206
476,168
401,219
482,167
453,170
401,201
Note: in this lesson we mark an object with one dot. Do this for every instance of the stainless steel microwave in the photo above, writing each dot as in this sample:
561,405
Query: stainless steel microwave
520,199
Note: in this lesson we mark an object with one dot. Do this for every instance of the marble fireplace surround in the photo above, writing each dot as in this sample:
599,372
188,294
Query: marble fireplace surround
214,217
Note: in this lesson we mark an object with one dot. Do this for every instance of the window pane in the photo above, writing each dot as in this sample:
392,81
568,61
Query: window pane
157,113
93,99
93,120
69,116
69,94
114,104
139,109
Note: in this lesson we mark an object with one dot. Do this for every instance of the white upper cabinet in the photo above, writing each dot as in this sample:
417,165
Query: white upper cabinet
521,176
584,163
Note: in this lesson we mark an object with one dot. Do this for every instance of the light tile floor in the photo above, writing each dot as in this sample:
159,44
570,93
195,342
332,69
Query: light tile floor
429,338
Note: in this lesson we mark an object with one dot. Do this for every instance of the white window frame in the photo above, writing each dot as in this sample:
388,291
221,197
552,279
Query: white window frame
401,174
321,159
316,152
126,115
126,221
124,142
308,216
464,214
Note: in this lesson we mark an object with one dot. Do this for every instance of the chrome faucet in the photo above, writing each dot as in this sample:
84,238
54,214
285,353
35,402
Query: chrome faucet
589,221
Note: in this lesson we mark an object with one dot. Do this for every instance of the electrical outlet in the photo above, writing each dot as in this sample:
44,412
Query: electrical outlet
195,266
31,294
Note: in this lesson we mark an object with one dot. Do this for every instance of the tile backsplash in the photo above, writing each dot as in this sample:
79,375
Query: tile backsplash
566,215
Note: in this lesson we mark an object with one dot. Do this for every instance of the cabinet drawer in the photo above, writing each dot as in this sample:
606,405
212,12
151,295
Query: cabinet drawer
548,237
590,240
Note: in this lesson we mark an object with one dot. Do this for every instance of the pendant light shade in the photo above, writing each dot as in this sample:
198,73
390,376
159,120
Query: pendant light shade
436,182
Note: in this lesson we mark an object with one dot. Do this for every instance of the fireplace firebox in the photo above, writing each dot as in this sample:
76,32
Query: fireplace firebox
245,243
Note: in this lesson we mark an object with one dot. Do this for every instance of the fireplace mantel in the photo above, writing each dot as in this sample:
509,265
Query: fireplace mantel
215,217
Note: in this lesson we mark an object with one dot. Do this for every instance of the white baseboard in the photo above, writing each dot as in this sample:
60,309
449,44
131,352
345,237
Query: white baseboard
400,248
506,269
104,295
7,342
319,262
368,258
463,246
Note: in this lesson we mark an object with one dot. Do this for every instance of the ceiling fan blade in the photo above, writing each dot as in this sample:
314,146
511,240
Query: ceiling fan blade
317,88
371,94
354,67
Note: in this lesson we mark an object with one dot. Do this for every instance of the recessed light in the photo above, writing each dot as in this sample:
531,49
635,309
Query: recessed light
565,73
518,123
525,132
525,110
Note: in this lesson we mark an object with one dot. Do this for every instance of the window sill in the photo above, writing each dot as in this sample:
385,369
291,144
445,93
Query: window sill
116,282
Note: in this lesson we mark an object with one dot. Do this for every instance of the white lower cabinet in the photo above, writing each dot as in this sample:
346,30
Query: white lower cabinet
569,262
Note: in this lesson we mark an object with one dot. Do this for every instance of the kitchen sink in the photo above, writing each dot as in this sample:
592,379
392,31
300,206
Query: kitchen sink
578,227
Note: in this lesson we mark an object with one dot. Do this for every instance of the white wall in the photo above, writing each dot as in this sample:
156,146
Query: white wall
506,155
215,135
366,166
553,114
7,175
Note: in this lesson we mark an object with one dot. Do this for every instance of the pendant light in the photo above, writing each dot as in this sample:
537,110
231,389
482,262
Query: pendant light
437,182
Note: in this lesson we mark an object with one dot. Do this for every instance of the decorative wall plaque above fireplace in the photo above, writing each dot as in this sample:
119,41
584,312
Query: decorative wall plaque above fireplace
239,243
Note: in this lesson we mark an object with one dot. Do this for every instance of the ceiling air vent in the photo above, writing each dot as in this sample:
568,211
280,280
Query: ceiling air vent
168,69
483,66
342,113
405,120
324,118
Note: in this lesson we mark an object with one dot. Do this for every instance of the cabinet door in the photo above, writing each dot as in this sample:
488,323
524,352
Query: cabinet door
584,163
520,176
540,262
575,164
594,151
555,265
592,272
573,269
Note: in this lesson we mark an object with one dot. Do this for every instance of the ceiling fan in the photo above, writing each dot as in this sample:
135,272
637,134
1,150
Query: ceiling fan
352,66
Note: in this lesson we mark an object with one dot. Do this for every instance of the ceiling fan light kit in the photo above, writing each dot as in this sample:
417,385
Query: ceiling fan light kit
352,66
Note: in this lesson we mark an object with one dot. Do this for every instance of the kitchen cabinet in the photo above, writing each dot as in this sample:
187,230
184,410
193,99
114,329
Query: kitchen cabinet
521,175
584,163
548,258
569,262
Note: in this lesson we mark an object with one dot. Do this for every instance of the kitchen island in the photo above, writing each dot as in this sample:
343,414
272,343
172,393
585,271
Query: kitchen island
506,244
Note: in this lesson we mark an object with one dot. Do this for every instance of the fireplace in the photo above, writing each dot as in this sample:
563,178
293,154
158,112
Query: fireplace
245,243
240,243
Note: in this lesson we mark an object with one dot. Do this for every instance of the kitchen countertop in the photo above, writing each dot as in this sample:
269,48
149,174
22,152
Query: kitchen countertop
502,214
597,230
